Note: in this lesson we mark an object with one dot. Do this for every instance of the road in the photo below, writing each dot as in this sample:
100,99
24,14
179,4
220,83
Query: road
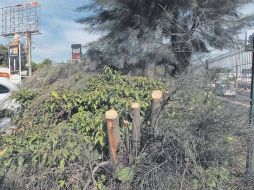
238,107
242,99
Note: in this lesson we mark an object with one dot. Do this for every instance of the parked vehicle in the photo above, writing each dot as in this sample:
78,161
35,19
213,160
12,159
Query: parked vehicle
224,89
6,88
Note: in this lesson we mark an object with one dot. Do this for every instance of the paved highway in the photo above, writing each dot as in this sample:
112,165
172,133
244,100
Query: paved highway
238,107
242,99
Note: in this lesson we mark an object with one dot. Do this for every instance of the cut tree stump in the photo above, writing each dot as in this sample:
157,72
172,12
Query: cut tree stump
136,131
113,129
157,99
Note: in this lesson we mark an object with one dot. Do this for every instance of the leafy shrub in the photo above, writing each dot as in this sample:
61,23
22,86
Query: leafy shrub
64,129
201,143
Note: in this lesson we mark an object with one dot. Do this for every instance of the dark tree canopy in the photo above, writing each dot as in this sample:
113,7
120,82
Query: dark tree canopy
47,61
145,33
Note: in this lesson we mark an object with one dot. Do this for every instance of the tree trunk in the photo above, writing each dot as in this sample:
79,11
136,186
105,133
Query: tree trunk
113,132
149,70
136,131
157,98
180,44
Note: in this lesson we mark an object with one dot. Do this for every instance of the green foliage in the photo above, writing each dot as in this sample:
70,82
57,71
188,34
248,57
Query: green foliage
36,66
47,61
59,125
125,175
84,109
25,97
216,177
42,149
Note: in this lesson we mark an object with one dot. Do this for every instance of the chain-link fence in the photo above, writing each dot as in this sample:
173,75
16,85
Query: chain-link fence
230,75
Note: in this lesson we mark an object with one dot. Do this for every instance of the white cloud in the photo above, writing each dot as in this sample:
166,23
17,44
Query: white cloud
56,39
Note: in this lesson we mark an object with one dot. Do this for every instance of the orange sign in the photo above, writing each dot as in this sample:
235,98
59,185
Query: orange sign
5,75
35,4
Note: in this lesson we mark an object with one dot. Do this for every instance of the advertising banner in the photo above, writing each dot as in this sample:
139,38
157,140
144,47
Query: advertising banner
14,51
76,52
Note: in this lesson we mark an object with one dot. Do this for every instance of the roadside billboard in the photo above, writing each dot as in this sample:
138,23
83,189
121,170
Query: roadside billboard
76,52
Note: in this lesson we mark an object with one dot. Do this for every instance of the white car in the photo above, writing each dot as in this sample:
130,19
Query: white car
6,88
225,90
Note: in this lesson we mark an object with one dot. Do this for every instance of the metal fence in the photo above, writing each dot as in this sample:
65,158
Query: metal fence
231,75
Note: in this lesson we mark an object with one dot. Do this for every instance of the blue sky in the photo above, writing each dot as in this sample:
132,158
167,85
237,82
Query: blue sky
59,29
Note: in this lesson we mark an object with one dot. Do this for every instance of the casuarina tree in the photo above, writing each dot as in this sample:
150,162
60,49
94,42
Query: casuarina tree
142,34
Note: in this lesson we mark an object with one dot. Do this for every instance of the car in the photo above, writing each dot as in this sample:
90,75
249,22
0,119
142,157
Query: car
6,88
7,104
225,90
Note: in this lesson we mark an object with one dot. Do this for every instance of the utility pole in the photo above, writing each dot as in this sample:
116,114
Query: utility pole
20,64
250,156
29,52
237,70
